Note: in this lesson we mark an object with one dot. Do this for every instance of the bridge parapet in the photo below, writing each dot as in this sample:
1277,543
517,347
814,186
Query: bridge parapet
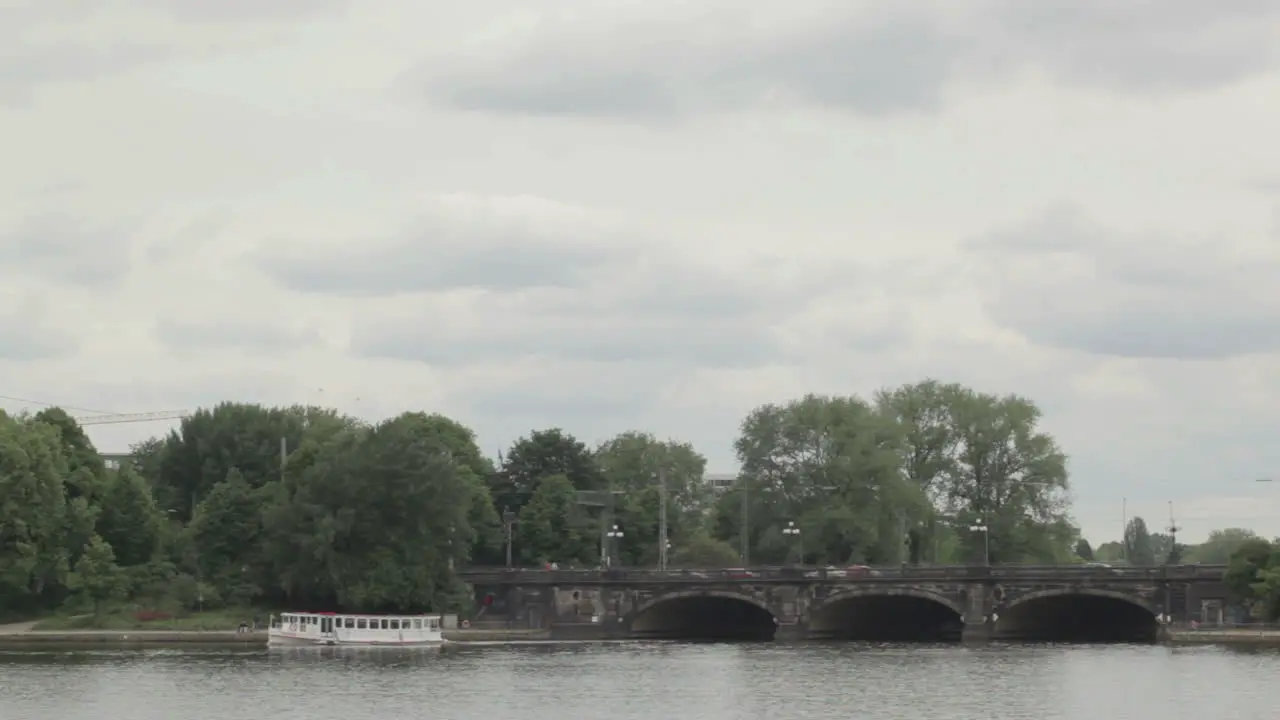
799,575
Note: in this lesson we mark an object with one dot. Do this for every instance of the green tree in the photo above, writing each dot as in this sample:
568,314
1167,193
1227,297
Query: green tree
831,466
1139,548
634,465
700,550
1084,550
554,527
97,578
1218,548
33,516
1109,552
129,521
542,454
374,520
1245,568
86,472
226,536
211,442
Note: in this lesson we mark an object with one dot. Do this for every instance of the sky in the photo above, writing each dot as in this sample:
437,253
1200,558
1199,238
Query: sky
607,215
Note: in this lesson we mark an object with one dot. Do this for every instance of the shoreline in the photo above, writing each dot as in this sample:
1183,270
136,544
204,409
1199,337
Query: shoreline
35,639
39,639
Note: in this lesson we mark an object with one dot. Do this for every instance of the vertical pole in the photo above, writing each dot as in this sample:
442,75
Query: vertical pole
902,540
746,536
1124,529
284,455
662,518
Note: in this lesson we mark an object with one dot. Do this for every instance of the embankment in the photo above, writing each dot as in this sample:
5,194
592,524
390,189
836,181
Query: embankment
38,639
1235,636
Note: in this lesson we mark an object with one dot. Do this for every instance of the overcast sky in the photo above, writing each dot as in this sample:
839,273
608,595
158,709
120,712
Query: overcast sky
607,215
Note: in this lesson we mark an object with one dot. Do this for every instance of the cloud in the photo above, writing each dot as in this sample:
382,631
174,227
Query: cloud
1062,280
182,335
1063,200
503,243
30,332
50,42
65,250
662,62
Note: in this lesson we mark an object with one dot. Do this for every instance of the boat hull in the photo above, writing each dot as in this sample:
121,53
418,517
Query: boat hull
278,640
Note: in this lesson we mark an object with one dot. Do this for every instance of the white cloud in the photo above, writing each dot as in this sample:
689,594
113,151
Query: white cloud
607,216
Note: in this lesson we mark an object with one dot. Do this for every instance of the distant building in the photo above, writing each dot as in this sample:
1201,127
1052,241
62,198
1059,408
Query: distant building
720,482
113,461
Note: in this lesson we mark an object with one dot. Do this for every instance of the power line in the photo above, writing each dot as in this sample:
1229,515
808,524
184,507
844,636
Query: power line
28,401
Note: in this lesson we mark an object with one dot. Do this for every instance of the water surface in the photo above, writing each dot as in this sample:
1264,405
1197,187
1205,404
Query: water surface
646,680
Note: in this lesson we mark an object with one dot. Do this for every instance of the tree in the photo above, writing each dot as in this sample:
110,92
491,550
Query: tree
1084,551
1218,548
554,527
1139,548
1245,568
542,454
129,521
1109,552
33,516
97,577
700,550
632,464
830,465
375,520
226,534
210,443
85,468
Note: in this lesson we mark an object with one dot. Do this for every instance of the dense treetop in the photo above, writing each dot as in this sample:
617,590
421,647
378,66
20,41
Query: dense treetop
245,505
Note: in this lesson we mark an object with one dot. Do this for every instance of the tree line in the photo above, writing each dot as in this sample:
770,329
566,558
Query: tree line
245,505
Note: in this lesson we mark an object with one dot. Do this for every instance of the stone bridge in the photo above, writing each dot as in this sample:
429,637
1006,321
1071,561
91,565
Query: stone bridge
1062,603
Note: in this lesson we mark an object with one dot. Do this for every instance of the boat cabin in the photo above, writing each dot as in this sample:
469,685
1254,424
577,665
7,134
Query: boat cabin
358,629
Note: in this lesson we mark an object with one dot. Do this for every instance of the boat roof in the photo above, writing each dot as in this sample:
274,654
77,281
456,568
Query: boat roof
356,614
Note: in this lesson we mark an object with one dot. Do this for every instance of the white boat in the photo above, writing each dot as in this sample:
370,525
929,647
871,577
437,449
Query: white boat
301,629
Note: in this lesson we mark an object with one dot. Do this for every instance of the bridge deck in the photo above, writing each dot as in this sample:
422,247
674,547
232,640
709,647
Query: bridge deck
790,575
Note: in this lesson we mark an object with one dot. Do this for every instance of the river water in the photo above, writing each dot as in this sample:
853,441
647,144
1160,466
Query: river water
650,681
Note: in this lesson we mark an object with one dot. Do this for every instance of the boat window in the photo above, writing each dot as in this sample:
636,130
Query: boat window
395,624
361,624
348,622
417,624
435,623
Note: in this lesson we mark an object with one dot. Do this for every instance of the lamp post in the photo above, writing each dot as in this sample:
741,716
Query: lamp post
792,532
986,541
508,521
615,535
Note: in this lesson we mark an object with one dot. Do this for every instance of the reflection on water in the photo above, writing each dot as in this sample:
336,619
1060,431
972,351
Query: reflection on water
645,680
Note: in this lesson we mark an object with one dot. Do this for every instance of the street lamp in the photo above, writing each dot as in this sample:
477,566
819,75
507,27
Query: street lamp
614,535
793,532
508,520
986,541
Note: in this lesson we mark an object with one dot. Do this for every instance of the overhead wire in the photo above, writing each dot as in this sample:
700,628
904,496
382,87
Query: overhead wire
29,401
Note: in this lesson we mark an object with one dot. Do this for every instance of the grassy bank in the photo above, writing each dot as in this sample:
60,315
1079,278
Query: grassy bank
121,619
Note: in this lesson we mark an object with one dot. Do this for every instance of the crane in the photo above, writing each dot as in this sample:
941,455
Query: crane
132,417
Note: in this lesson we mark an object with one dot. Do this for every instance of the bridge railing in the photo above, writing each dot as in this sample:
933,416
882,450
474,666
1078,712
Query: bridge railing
796,573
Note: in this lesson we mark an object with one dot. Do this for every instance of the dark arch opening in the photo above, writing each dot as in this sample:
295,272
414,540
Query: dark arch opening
886,618
704,617
1077,618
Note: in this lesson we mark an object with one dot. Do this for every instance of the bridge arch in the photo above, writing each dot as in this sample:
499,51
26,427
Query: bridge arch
703,615
889,614
1076,614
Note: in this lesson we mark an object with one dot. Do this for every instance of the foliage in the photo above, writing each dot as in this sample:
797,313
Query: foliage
379,518
97,577
542,454
1218,548
553,527
1084,550
1138,545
